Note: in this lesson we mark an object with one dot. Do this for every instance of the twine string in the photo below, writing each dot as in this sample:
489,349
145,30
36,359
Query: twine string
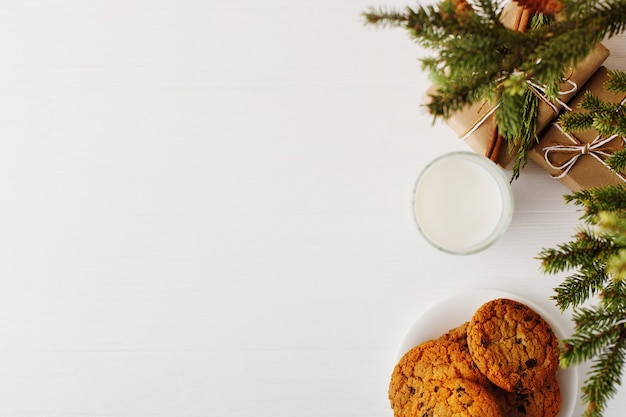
539,90
596,148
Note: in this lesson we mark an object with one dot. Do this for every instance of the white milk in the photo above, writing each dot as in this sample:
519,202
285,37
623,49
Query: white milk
462,202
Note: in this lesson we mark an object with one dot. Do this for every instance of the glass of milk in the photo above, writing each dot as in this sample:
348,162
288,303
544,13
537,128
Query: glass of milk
462,203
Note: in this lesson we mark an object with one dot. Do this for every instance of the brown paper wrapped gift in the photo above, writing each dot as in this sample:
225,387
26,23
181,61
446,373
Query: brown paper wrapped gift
577,159
475,123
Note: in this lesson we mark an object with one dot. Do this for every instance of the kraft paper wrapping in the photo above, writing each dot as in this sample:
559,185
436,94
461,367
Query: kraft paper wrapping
462,121
586,170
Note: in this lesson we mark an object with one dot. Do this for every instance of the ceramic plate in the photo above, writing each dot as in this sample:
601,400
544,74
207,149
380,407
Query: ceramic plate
456,310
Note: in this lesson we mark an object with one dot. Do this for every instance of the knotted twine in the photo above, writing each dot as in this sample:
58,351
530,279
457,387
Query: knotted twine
597,148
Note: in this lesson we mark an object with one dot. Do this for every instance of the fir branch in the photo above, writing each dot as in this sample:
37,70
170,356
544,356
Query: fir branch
581,286
605,374
578,9
616,81
583,346
385,17
613,296
596,321
606,117
575,122
592,103
614,226
610,198
599,330
475,55
617,161
585,249
449,100
611,121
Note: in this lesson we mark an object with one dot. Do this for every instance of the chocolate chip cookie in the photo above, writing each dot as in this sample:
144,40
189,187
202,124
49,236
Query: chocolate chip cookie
544,402
458,334
512,345
456,398
432,360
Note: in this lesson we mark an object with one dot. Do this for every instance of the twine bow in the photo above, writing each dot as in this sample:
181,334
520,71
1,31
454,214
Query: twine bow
596,148
539,91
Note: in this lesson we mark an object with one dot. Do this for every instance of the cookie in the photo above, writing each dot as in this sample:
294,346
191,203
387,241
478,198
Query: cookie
512,345
456,398
458,334
432,360
544,402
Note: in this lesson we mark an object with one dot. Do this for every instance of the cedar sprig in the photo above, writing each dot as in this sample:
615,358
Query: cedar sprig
521,137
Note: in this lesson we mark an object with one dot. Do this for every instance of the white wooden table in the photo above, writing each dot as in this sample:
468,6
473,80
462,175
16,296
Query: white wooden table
205,209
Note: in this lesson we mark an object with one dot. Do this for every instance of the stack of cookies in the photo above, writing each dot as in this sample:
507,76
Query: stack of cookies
502,363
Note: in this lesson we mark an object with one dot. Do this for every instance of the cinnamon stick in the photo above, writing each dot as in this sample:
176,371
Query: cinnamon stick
524,20
493,138
518,17
496,148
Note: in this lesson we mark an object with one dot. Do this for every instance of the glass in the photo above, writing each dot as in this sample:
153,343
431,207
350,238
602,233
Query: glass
462,203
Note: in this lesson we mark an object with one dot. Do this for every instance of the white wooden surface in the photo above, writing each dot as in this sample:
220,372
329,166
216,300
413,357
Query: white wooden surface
205,209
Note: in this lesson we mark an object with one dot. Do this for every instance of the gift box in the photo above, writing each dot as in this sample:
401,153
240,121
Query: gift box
578,159
475,124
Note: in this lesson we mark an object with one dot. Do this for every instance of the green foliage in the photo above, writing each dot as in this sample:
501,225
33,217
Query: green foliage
617,81
596,260
611,198
607,118
617,161
477,59
600,337
527,136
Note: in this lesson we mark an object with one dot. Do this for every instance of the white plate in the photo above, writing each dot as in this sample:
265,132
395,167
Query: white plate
456,310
